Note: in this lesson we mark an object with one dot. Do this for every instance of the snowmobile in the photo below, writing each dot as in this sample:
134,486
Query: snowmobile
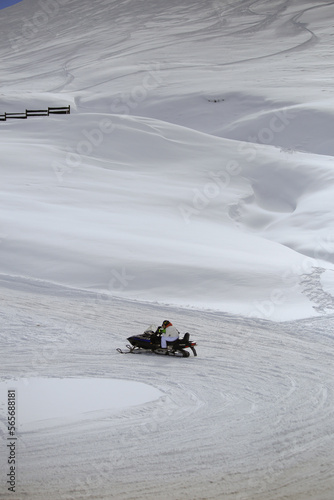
150,340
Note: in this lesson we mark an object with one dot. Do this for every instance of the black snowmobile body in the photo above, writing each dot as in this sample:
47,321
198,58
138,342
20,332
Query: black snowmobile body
151,341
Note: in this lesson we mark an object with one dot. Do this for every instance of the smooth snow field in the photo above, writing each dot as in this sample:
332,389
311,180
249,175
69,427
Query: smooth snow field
192,181
48,402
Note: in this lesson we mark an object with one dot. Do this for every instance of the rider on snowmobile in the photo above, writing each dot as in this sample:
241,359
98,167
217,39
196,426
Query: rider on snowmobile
169,333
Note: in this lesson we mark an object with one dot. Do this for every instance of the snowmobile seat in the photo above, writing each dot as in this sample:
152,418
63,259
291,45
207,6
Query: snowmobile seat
186,337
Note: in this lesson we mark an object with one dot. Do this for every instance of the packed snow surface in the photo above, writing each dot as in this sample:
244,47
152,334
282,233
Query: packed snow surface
192,181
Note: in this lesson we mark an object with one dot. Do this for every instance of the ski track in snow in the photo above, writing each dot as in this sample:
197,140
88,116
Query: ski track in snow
251,417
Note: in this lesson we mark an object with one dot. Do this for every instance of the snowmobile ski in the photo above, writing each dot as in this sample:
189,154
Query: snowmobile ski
131,349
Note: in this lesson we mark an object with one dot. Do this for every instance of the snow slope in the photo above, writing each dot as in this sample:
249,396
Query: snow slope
192,180
184,135
8,3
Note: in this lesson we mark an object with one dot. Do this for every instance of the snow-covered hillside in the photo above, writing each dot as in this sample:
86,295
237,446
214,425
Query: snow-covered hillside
193,180
195,166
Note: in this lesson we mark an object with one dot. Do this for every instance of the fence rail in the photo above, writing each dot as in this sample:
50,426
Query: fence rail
59,110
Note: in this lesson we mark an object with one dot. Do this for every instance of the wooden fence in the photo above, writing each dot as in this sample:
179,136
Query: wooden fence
59,110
